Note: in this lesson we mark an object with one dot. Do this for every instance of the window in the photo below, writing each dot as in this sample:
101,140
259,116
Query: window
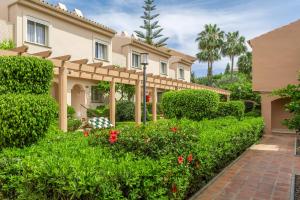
101,51
97,95
163,68
136,60
37,32
181,73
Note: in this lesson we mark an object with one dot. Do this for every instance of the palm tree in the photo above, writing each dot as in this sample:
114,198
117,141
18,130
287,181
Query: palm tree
245,63
209,43
233,46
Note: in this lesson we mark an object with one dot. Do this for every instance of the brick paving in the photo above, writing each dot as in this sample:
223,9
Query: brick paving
262,172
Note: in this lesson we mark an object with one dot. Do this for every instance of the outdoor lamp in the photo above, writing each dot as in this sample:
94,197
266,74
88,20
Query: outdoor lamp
144,62
144,59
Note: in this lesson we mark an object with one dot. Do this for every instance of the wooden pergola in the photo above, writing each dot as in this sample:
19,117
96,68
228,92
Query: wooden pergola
65,68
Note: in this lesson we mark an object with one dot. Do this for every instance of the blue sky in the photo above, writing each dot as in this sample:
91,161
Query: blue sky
183,19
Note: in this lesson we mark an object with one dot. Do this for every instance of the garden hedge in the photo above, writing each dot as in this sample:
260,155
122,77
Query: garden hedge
231,108
24,74
169,159
191,104
24,118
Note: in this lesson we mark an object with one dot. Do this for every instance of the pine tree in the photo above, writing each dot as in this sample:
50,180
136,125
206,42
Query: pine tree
152,29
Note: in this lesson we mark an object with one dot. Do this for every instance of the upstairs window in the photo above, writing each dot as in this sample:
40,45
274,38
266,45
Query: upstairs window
163,68
181,73
37,33
136,60
97,95
101,51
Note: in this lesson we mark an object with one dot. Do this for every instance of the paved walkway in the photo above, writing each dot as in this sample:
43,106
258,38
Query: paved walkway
263,172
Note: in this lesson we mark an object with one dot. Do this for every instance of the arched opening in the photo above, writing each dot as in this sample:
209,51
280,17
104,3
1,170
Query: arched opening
54,91
78,99
279,114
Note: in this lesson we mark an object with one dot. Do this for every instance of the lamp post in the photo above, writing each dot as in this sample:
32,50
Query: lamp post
144,62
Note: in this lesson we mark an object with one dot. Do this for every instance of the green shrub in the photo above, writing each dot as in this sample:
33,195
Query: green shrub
70,166
100,111
7,44
191,104
24,118
231,108
71,112
158,108
73,124
125,111
27,75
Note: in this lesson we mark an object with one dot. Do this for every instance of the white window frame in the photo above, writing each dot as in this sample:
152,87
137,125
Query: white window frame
136,53
107,44
160,71
179,75
39,21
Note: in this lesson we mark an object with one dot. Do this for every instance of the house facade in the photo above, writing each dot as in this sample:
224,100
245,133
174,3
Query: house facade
276,64
46,27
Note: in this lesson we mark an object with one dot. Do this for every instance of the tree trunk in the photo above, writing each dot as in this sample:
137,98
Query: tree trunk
209,73
232,63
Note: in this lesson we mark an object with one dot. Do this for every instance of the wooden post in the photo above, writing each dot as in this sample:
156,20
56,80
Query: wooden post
63,113
154,104
228,97
138,101
112,102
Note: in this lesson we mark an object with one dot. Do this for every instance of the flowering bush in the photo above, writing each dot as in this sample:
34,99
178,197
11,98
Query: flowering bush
165,160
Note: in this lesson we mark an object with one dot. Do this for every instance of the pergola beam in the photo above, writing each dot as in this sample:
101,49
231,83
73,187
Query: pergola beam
20,50
43,54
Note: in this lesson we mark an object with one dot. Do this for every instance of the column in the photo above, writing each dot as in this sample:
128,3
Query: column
138,101
63,117
112,102
154,104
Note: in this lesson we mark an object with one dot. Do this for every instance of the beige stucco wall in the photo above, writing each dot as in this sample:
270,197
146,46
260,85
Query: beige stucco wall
86,101
64,37
6,30
276,60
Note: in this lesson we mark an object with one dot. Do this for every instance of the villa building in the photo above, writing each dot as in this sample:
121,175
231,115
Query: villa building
45,27
276,64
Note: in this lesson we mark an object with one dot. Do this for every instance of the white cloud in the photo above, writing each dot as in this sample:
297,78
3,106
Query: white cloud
183,24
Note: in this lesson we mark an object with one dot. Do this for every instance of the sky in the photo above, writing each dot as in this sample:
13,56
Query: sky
182,20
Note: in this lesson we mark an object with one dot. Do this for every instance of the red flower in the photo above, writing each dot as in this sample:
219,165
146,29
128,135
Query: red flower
114,132
86,133
190,158
174,188
113,138
173,129
180,159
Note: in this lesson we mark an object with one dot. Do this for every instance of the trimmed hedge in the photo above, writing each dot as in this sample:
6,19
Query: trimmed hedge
144,163
26,75
191,104
231,108
24,118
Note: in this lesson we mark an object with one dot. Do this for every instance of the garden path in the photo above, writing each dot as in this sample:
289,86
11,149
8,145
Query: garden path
262,172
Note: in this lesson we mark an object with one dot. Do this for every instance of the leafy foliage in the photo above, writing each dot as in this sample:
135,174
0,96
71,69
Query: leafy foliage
231,108
152,28
293,93
27,75
73,124
125,111
153,162
126,91
71,112
24,118
192,104
210,42
227,69
7,44
245,63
